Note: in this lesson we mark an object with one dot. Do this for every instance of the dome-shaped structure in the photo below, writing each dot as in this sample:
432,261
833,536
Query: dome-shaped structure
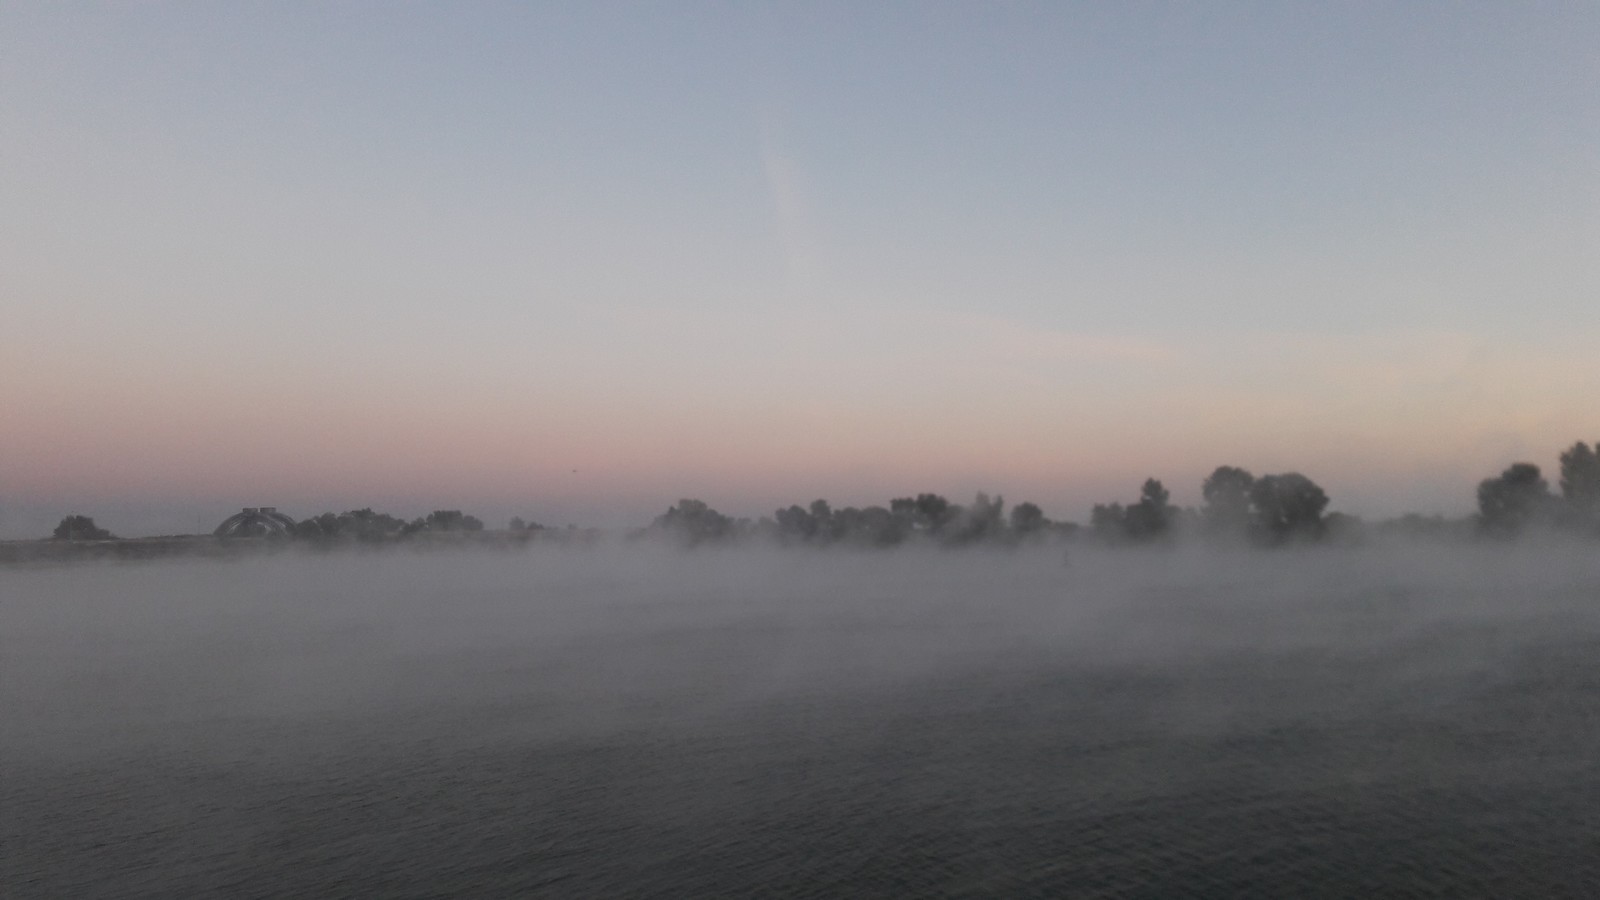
254,521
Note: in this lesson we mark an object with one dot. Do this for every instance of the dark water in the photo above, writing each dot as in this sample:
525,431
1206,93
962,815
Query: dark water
626,724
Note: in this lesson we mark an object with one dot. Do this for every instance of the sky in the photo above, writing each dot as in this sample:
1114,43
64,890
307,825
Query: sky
575,261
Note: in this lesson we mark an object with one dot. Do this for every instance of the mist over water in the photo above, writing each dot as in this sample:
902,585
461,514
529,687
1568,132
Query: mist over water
633,721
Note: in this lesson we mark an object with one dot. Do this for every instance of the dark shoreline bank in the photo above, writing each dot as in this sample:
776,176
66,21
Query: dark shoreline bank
48,551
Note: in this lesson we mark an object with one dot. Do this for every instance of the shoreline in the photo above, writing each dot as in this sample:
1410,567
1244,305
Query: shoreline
206,546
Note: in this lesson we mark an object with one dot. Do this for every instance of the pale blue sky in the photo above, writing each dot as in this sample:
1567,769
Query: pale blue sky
764,252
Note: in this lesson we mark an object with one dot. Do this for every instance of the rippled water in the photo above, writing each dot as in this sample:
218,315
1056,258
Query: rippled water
637,722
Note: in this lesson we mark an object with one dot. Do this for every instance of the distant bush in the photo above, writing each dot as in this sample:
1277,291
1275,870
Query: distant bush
693,522
1150,519
80,528
1518,498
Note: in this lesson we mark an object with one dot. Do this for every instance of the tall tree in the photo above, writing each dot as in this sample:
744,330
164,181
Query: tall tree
1152,516
1227,501
822,517
1580,484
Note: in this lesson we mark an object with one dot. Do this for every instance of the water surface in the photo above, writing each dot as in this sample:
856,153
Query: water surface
638,722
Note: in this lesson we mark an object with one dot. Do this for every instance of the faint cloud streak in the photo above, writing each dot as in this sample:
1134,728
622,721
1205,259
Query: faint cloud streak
790,208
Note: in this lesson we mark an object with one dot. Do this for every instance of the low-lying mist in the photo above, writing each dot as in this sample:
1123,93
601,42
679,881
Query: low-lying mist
185,703
601,631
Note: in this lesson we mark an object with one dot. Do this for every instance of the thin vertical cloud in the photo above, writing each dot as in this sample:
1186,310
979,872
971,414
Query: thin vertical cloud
792,220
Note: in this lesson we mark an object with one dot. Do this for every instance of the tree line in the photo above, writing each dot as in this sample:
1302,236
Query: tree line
366,525
1519,499
926,517
1271,509
1237,506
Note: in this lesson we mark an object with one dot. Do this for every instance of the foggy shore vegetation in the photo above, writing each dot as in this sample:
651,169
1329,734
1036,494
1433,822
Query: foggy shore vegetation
1238,508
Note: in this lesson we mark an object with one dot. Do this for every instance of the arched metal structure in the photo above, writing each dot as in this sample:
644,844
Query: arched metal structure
254,521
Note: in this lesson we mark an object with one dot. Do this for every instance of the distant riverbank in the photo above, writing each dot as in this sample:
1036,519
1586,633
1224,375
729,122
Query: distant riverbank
207,546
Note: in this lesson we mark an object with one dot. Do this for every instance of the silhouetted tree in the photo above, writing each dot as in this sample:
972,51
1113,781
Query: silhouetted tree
1148,519
904,510
795,524
1288,506
1519,497
873,526
1227,501
1152,516
983,520
322,527
1580,485
693,522
80,528
932,512
364,524
822,524
822,519
1108,521
355,524
451,520
1027,519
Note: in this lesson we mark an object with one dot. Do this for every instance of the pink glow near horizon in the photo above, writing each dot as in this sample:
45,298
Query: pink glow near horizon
1025,414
